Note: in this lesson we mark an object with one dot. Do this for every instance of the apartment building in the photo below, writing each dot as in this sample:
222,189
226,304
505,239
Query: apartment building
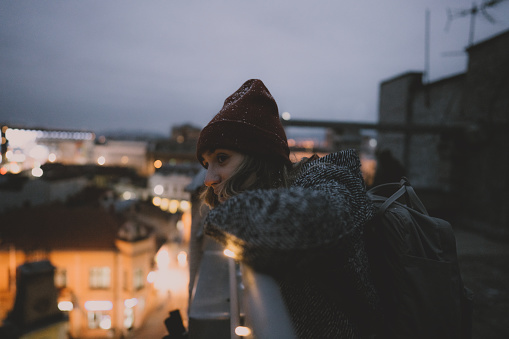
103,264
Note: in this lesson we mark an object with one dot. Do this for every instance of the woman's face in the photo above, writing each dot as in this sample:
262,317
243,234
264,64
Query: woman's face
220,164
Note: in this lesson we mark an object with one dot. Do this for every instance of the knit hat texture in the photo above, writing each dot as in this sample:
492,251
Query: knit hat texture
248,123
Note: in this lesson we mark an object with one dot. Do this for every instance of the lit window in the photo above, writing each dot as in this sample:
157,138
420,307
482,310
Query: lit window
65,306
128,318
99,320
124,281
94,319
98,305
99,277
139,279
130,303
105,322
61,278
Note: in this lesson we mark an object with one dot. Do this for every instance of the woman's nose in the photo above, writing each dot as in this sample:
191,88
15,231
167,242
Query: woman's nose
211,178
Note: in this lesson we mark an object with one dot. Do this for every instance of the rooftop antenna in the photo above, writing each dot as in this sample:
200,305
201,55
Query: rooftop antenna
426,47
426,76
472,11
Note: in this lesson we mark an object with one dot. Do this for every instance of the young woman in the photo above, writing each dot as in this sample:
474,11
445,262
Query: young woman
302,223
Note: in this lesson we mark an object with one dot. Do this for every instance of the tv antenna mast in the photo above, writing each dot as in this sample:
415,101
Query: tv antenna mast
472,11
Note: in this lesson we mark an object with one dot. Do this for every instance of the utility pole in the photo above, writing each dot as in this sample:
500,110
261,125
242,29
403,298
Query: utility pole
426,57
426,47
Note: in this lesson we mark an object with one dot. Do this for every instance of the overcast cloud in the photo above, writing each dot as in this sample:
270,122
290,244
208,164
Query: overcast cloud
147,65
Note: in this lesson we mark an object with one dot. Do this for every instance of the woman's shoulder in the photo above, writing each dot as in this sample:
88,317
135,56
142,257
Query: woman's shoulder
346,162
347,158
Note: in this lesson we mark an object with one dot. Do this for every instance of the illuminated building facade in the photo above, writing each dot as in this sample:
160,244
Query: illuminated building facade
179,149
103,265
27,149
19,191
167,186
123,153
60,182
170,181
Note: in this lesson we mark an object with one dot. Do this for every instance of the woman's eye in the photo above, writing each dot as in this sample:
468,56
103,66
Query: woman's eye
221,158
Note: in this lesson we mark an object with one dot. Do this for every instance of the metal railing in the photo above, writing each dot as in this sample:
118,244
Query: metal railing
265,311
231,300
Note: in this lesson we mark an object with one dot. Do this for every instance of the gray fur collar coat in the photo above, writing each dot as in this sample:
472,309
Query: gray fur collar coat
310,238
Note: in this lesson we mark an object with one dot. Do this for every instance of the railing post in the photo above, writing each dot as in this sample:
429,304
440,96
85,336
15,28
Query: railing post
234,299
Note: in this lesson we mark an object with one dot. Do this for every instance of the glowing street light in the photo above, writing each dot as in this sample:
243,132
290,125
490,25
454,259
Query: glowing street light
173,206
242,331
156,201
185,206
229,253
158,189
37,172
165,202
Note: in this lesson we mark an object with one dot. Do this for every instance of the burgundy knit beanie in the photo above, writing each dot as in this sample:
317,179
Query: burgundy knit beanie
248,123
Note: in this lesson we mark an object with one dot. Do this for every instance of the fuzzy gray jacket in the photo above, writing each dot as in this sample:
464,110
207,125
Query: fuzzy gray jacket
310,238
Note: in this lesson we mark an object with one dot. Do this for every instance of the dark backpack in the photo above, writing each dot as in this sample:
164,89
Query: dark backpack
415,268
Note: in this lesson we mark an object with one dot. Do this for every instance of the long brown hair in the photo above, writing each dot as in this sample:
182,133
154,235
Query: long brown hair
269,175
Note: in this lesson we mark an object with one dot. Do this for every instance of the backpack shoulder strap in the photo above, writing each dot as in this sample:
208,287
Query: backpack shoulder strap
403,188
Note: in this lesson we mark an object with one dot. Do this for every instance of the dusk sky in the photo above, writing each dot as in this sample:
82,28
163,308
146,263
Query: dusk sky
148,65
